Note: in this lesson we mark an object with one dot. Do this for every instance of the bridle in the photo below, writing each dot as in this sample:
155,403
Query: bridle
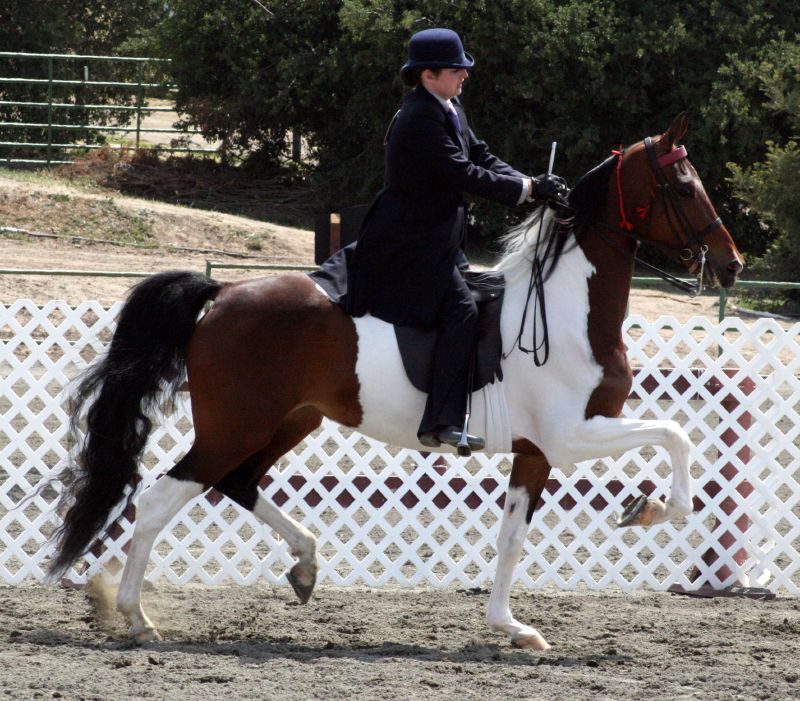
679,225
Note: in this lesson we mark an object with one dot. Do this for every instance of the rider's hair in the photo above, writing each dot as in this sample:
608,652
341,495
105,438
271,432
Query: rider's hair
414,76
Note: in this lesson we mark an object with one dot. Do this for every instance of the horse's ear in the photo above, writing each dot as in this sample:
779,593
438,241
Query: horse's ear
677,130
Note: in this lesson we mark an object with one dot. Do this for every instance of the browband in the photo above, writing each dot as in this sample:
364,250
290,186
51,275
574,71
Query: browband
676,154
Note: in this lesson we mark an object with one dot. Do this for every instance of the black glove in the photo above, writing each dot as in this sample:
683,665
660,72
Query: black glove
549,187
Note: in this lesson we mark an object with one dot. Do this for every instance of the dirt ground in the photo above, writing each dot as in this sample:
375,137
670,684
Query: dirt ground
348,643
46,208
351,643
55,214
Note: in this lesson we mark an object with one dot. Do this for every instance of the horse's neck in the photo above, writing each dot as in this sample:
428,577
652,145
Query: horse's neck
609,289
590,285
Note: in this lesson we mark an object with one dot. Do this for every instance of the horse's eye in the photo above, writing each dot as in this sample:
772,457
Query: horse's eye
685,190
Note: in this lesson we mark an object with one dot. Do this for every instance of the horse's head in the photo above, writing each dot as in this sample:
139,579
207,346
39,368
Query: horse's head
662,201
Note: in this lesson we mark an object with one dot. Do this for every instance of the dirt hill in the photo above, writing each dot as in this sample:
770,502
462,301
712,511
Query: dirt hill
75,224
74,228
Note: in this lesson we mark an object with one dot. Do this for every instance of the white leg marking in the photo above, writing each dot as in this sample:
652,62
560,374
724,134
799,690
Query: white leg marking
603,436
156,508
302,542
510,542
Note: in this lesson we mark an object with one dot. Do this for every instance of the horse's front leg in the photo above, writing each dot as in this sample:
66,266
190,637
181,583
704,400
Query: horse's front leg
603,436
528,477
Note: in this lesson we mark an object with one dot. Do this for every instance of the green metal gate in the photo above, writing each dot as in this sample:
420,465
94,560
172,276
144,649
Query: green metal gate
130,105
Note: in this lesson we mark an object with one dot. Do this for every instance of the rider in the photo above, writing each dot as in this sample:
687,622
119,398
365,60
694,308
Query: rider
407,265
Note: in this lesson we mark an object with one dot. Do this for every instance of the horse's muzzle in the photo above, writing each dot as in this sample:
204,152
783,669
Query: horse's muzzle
728,274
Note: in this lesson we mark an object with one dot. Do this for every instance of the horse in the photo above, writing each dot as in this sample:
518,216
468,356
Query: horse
267,359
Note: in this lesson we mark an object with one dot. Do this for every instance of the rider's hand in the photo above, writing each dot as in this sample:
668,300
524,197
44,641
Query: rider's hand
549,187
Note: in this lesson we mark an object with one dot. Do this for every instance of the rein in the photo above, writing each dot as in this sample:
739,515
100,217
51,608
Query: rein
679,226
678,223
536,290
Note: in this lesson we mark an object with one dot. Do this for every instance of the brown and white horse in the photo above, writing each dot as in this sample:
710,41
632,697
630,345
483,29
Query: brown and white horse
273,356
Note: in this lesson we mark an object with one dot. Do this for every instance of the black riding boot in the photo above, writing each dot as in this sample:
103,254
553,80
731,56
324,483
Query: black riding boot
443,419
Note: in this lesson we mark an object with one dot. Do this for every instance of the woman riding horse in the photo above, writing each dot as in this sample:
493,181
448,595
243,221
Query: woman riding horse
273,356
406,267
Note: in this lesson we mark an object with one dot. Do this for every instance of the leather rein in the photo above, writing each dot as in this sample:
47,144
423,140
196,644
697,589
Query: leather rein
679,225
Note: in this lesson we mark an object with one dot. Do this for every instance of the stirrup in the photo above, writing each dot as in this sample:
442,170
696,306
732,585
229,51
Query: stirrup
453,436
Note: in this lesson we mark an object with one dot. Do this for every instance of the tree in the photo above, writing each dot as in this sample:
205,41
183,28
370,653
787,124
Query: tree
589,74
769,187
76,26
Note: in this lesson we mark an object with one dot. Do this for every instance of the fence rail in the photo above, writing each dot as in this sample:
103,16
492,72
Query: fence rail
211,265
385,515
137,89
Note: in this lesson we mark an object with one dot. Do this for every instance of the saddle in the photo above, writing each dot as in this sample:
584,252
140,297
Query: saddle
417,345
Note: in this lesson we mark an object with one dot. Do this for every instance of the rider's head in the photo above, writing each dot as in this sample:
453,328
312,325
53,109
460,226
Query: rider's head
435,55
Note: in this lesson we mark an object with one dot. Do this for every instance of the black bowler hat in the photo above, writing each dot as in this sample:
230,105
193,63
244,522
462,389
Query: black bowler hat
436,48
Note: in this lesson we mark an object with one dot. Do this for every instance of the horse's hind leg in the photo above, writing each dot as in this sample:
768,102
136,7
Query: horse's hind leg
528,477
303,544
241,485
191,476
156,508
188,479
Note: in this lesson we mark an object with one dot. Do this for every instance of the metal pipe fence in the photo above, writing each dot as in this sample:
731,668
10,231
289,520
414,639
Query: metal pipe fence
52,106
297,267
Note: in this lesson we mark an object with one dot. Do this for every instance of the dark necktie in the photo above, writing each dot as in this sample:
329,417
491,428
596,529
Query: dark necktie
451,112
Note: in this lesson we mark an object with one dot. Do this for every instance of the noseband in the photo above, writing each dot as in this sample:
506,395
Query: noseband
678,223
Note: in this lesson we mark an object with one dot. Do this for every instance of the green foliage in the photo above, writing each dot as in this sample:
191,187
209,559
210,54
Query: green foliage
248,77
590,74
75,26
769,187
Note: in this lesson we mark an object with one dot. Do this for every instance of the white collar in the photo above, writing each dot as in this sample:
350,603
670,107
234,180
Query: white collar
446,104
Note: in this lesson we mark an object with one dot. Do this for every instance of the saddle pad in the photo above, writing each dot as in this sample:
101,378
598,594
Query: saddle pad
417,345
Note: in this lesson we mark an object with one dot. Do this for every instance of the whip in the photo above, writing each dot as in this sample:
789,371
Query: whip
264,7
552,158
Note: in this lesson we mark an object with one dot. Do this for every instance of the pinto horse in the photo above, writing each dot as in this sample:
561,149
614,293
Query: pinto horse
273,356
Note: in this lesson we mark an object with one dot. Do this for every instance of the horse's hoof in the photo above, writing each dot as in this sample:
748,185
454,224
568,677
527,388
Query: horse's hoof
302,590
643,512
146,636
531,642
632,512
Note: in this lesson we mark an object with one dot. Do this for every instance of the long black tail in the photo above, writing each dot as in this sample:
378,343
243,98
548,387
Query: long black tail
120,391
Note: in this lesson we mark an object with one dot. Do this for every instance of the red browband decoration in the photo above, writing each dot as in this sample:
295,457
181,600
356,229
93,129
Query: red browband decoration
676,154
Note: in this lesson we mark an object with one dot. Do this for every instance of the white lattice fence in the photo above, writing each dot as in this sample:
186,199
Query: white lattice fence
386,515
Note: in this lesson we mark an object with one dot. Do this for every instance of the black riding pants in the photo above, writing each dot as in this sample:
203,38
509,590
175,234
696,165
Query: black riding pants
457,325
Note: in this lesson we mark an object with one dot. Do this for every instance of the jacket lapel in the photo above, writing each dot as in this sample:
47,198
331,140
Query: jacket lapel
458,137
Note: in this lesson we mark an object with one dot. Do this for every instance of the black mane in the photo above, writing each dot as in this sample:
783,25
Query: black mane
566,226
589,194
